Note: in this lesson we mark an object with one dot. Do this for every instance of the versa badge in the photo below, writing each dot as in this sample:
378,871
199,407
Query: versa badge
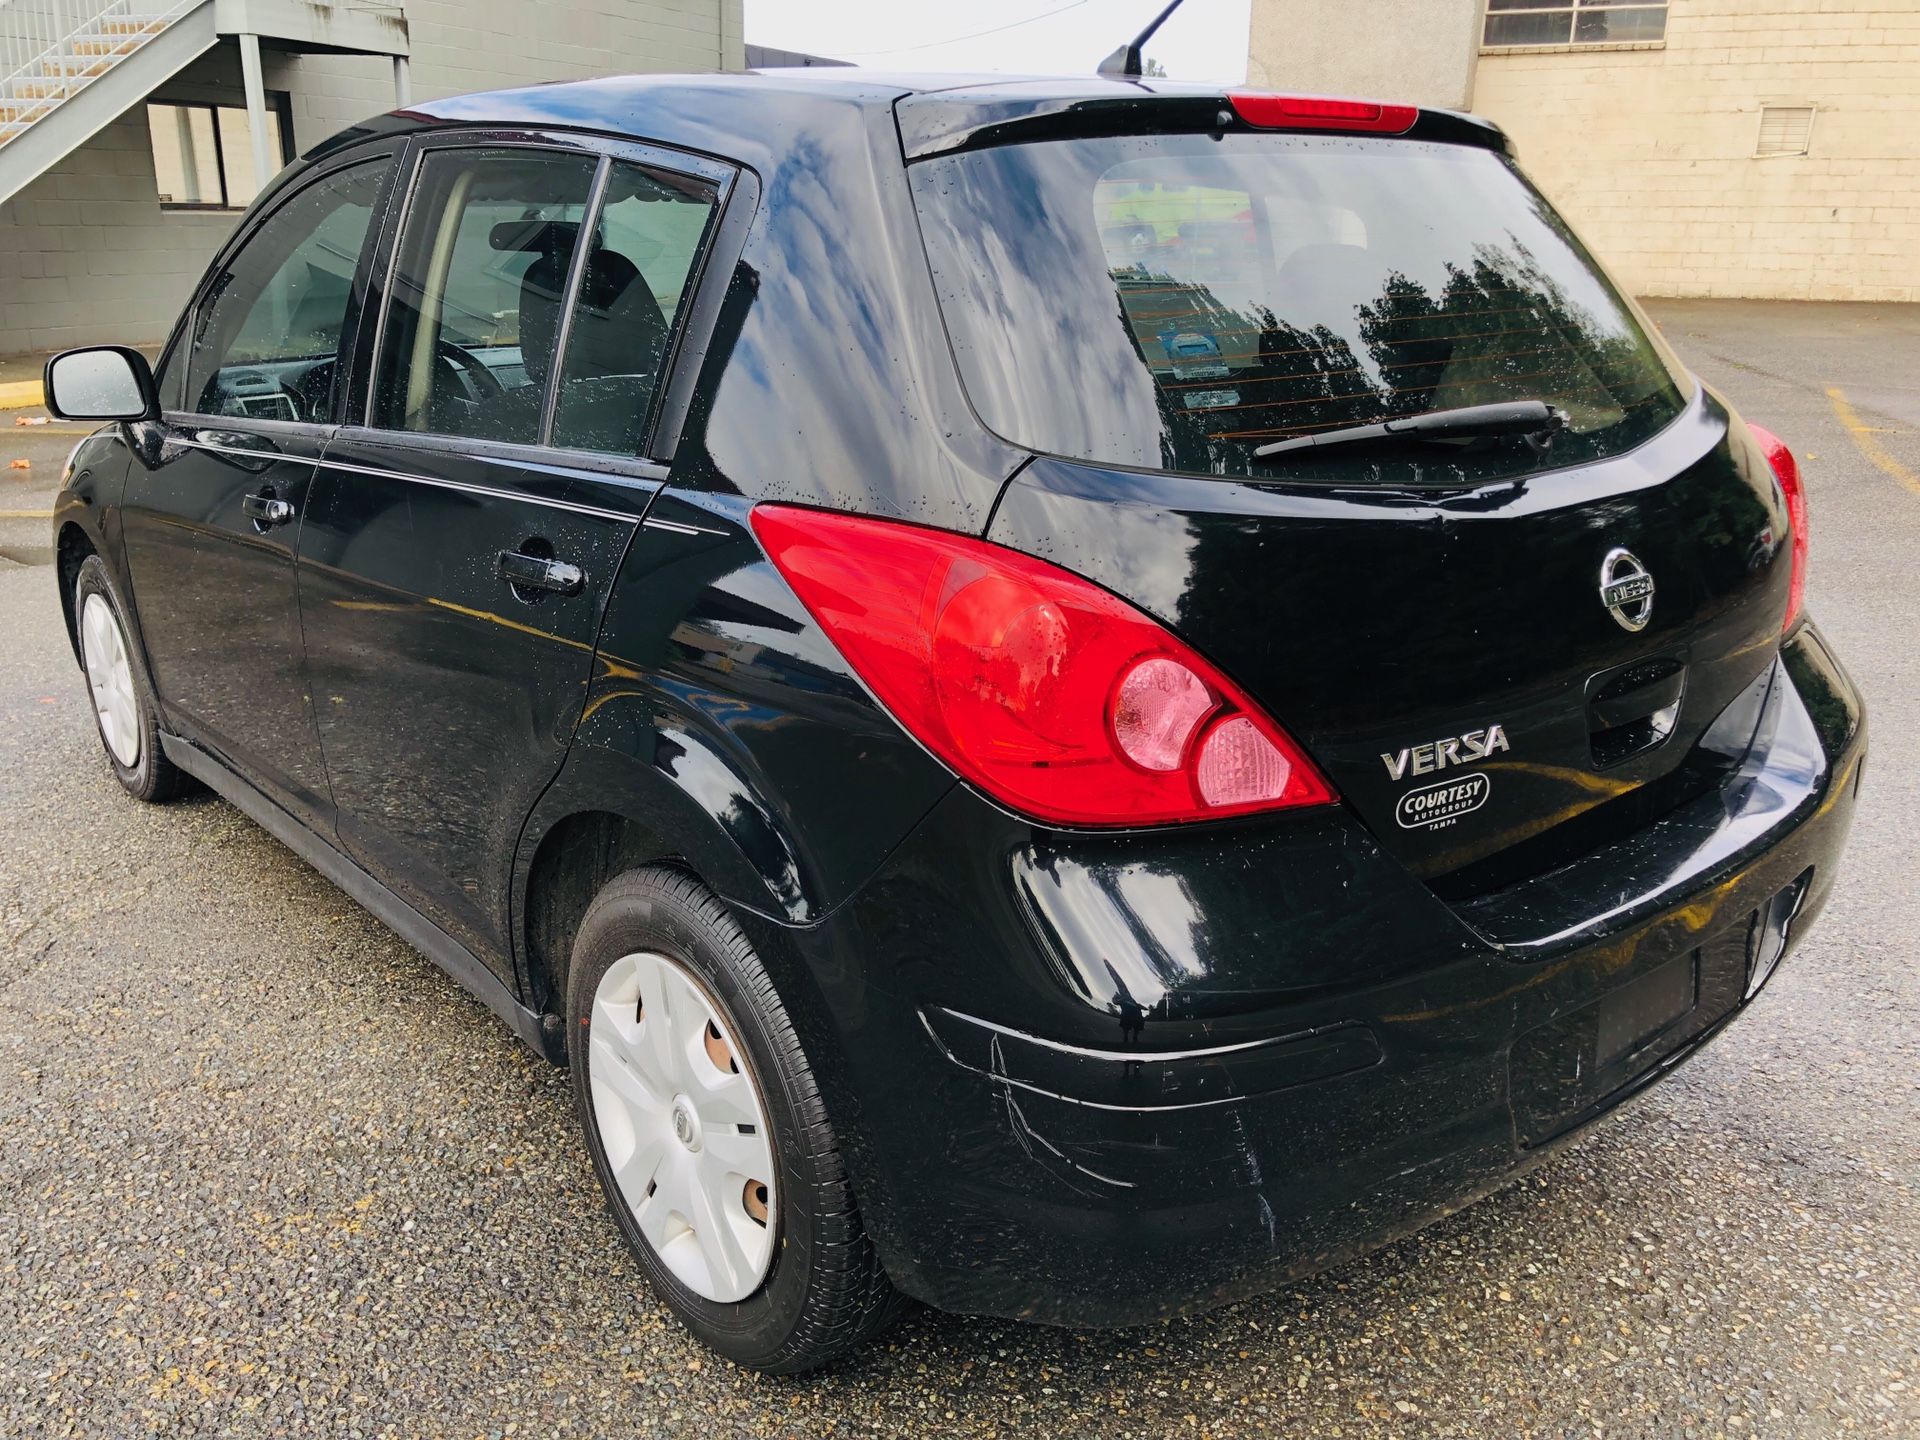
1439,754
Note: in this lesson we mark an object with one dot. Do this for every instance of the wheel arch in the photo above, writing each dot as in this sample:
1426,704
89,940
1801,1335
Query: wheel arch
71,548
608,812
86,523
571,863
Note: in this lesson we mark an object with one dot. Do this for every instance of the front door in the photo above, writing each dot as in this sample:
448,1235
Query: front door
461,545
217,494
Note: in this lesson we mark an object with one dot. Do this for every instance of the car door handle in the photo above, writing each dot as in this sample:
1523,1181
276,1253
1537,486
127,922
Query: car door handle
267,510
541,572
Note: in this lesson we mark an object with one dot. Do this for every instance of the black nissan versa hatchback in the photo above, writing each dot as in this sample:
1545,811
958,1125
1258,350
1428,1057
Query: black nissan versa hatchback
1070,698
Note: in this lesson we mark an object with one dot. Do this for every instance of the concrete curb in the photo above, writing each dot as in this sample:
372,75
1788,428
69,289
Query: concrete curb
19,394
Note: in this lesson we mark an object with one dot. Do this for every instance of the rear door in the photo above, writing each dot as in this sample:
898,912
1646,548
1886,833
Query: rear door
1501,648
463,539
219,487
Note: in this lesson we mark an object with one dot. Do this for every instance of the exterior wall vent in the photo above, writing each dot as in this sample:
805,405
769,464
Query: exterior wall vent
1784,130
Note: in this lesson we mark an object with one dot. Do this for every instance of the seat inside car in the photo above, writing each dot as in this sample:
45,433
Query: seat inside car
614,345
618,336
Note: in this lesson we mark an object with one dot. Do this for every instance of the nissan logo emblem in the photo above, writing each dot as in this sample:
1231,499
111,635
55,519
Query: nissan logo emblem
1626,589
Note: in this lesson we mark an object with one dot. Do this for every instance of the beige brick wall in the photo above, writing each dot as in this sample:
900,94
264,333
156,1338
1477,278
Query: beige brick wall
1418,50
1650,151
88,255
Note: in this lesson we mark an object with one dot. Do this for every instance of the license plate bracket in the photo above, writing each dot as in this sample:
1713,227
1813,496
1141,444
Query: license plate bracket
1643,1010
1567,1070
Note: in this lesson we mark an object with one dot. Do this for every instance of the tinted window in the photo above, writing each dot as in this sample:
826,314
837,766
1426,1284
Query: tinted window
1175,302
265,339
474,318
647,236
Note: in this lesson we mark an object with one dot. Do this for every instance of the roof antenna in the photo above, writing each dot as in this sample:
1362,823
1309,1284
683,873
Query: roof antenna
1125,63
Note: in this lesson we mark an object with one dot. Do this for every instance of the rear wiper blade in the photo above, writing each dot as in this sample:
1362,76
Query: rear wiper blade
1533,418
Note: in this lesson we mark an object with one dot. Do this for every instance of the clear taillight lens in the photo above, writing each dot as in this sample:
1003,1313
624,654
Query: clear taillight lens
1056,698
1157,710
1787,471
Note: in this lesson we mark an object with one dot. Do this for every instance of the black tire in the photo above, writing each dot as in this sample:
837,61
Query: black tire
825,1291
152,776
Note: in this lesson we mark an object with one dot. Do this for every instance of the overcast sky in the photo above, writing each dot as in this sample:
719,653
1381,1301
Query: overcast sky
1205,39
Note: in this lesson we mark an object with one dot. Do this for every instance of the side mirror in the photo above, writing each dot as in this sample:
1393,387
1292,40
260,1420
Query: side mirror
101,382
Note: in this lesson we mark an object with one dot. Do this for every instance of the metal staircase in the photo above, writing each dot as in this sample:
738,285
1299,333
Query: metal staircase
72,66
68,68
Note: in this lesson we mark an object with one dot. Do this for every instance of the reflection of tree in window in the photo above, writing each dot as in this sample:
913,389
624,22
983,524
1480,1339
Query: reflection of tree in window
1271,288
1502,329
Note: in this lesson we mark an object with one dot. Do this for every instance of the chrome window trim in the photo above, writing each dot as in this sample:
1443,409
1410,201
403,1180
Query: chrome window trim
675,527
278,457
543,458
316,431
490,492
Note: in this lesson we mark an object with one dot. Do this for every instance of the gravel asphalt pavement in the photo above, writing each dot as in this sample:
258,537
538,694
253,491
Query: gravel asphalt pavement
265,1171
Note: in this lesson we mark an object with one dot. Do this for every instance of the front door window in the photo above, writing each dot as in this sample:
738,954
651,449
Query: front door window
266,339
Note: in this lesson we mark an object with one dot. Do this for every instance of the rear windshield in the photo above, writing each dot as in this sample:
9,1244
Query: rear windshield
1174,302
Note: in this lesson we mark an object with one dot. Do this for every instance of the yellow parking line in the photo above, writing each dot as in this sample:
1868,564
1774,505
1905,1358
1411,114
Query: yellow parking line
26,514
1863,437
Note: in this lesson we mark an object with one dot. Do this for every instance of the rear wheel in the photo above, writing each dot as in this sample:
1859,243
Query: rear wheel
123,708
708,1132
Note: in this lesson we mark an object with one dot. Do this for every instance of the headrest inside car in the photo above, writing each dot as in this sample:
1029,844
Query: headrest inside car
542,237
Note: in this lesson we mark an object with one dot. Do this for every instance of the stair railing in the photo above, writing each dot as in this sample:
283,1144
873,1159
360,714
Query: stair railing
38,38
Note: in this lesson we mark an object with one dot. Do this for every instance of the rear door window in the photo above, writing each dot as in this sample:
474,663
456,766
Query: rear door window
1175,302
517,264
479,288
651,228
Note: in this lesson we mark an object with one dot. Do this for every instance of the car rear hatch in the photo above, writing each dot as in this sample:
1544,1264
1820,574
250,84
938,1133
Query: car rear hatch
1504,647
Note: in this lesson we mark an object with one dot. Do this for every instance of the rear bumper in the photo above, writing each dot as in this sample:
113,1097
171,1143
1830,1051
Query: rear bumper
1098,1082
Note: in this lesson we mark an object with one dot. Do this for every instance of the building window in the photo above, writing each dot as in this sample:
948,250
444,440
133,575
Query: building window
1785,130
203,154
1573,22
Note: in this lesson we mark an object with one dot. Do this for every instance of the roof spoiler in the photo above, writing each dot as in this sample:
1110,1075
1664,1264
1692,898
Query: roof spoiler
941,122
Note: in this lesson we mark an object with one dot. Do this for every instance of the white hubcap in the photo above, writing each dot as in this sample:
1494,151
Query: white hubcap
683,1126
110,676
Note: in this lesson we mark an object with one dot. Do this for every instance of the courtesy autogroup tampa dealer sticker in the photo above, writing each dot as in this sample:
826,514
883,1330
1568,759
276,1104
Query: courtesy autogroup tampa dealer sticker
1441,803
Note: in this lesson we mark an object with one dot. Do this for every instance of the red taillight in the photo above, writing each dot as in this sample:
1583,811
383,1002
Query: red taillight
1056,698
1321,112
1787,471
